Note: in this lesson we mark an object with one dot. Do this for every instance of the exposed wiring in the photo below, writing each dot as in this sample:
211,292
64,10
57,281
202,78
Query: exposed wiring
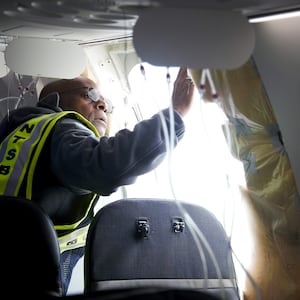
172,129
9,98
207,74
23,90
212,86
169,144
198,236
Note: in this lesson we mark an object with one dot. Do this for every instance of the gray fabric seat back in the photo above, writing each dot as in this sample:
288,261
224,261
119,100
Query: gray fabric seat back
157,243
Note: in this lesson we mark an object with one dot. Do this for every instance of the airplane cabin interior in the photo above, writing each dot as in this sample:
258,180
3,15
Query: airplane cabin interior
239,158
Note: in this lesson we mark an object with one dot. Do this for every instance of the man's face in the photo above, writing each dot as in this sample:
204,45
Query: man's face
85,99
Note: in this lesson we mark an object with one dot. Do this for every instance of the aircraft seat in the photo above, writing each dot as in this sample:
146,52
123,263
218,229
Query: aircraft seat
150,243
29,252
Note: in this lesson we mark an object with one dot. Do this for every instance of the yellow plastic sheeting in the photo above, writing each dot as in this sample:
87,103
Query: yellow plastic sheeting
271,196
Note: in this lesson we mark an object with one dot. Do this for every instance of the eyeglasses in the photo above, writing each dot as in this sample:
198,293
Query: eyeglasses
94,95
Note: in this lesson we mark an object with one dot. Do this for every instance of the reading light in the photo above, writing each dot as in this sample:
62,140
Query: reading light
274,16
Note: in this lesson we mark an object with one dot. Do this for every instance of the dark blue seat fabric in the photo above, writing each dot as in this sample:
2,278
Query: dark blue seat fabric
29,252
147,243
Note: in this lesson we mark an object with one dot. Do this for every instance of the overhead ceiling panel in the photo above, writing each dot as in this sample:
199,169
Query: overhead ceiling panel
91,20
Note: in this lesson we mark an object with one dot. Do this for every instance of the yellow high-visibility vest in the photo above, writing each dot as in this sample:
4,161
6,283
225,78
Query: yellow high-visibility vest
19,153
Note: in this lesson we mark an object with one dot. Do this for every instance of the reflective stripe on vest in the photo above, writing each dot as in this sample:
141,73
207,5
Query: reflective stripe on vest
17,150
19,154
75,239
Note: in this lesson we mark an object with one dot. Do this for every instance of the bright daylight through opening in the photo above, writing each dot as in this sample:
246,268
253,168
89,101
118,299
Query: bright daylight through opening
202,169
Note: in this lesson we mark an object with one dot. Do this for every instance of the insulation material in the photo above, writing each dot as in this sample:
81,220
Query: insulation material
271,194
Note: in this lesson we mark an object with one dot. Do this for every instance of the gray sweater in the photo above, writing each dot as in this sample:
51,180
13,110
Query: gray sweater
75,163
